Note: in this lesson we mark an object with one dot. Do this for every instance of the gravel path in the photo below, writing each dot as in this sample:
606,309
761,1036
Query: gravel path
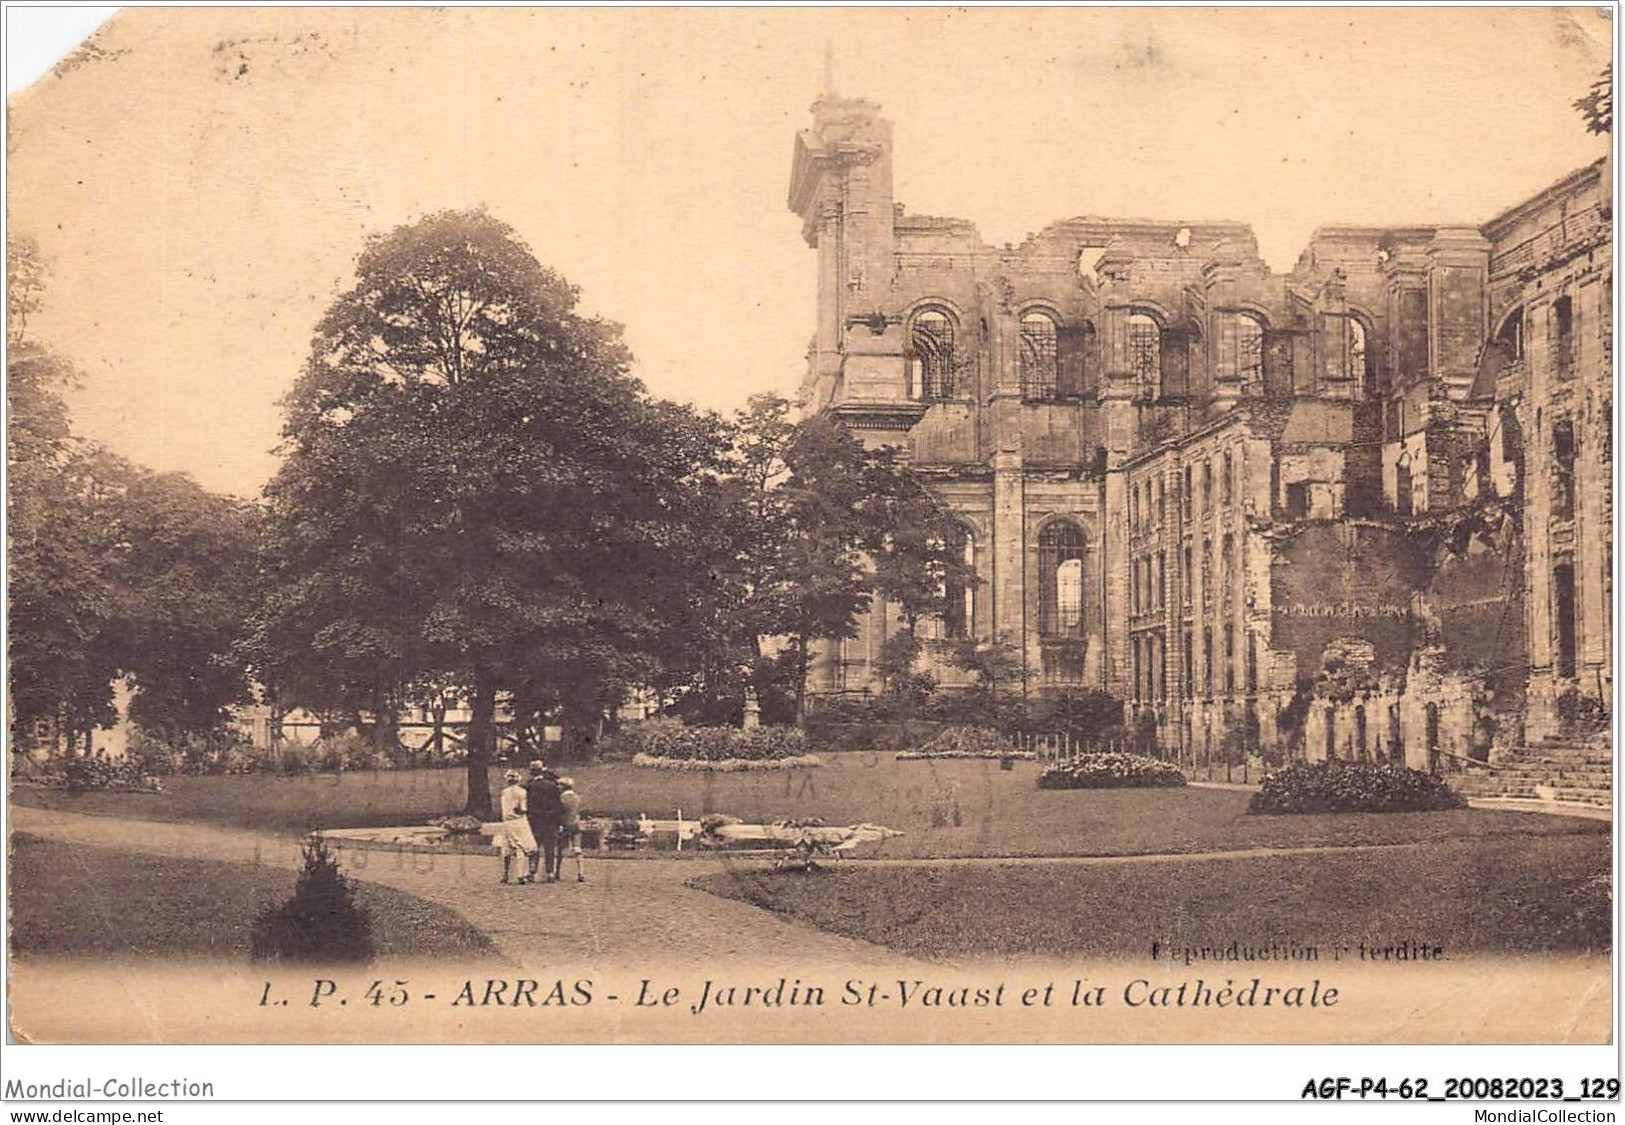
628,910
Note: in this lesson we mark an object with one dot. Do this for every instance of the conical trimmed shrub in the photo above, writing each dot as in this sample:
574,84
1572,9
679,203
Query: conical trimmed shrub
322,923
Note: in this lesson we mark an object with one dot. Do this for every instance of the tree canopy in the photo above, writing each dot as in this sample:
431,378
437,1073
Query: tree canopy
1596,106
115,571
825,525
475,486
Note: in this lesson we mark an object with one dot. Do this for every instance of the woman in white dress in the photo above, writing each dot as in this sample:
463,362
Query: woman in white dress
516,835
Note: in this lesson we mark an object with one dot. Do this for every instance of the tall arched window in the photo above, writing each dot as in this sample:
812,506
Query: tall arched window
1249,335
1510,337
1145,352
1227,482
1060,577
1040,357
1359,359
931,355
959,610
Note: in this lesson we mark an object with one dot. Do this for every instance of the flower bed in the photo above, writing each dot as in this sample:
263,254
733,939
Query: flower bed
967,742
1112,771
727,765
1316,787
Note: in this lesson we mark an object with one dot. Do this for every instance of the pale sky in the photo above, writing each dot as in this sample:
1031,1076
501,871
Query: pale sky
203,179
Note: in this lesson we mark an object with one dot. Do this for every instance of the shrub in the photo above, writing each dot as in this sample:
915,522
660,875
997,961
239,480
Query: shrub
1333,786
97,771
152,754
1112,771
213,752
668,738
322,923
966,742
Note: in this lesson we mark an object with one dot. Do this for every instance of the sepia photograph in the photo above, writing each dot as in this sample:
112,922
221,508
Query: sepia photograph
813,526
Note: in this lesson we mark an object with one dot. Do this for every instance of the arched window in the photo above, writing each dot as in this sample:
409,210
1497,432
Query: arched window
1510,337
1060,573
1359,359
931,355
1040,357
959,610
1145,353
1227,482
1188,496
1227,565
1249,354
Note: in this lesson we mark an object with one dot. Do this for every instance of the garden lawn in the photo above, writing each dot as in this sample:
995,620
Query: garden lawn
944,808
1484,896
72,900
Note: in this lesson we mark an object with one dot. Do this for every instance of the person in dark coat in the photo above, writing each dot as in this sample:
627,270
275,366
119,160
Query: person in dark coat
546,813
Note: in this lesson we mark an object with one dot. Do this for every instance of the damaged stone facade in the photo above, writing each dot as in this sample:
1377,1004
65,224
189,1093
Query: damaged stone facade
1280,514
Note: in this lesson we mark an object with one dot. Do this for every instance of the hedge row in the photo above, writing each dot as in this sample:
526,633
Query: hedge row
1333,786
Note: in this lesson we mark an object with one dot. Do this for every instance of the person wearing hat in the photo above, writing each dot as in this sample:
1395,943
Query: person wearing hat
545,814
516,834
569,829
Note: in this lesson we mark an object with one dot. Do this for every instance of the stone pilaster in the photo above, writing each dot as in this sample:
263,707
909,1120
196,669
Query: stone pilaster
1458,263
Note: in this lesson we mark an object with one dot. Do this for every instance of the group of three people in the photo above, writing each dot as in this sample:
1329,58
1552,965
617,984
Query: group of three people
541,817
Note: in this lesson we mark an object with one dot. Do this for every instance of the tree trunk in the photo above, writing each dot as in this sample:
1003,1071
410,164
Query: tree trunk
801,682
482,712
438,738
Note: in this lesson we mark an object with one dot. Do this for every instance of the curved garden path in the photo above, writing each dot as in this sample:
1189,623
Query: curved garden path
629,910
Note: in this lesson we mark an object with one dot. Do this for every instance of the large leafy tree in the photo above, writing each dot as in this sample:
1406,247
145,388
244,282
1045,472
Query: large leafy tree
824,525
114,571
185,566
477,490
61,598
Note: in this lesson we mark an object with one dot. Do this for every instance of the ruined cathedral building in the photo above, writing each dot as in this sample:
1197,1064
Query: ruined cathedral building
1361,510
